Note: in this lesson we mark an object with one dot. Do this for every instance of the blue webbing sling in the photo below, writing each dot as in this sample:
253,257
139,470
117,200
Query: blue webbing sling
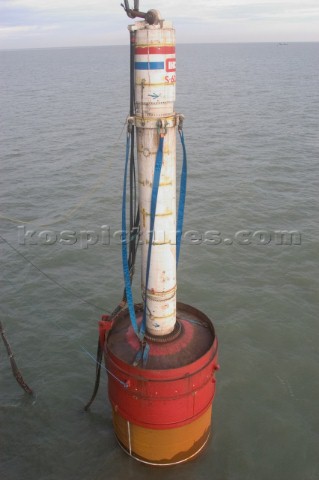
140,332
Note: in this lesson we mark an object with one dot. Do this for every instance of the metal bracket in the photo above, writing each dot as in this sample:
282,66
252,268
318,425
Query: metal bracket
161,128
152,17
180,121
130,124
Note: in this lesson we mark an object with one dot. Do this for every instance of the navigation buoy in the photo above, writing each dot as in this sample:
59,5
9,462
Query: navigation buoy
160,355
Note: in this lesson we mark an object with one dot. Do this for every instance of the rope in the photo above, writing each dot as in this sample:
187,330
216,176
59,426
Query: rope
63,217
99,364
71,292
98,361
99,358
16,372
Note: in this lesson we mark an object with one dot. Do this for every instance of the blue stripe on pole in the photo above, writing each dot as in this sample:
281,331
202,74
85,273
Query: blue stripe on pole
149,65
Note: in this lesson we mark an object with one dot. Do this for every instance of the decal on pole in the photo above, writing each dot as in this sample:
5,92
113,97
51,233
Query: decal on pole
171,64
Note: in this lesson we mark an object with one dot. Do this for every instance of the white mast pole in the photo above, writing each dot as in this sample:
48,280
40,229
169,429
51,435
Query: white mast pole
155,79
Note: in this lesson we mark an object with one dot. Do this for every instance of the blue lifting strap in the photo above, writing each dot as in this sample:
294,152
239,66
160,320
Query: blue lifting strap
140,332
182,197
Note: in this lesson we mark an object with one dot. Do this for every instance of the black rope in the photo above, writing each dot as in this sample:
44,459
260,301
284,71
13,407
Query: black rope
15,370
99,359
99,355
134,213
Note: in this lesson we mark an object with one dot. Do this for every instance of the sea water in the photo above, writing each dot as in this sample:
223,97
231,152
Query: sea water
249,257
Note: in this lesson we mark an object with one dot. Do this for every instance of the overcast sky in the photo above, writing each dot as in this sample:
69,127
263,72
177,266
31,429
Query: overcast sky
59,23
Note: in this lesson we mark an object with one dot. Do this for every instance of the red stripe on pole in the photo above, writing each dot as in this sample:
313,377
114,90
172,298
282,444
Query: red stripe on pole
154,50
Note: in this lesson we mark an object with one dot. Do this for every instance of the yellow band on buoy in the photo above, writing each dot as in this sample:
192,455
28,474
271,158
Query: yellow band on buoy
172,446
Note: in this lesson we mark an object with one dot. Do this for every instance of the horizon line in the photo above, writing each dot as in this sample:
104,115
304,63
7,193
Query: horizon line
277,42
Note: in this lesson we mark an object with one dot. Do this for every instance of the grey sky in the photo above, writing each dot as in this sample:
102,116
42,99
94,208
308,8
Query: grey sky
57,23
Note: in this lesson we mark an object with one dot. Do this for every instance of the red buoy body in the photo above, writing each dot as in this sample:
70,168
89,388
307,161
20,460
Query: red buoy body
162,412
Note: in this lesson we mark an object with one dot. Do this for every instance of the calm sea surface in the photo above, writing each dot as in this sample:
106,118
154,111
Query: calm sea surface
252,136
